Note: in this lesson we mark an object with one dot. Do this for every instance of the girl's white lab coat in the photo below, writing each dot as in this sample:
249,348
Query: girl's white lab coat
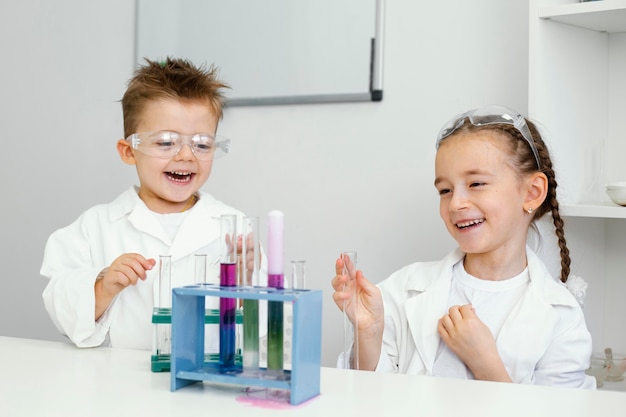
544,341
75,255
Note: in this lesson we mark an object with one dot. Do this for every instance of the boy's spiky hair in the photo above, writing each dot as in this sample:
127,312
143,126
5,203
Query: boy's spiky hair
171,79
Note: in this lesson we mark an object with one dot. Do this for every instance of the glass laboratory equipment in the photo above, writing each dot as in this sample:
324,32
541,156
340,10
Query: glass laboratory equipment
596,174
275,279
297,278
295,281
228,306
251,254
199,268
162,318
351,336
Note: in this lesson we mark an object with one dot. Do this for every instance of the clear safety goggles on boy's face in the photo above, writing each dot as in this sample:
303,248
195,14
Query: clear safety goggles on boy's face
490,115
166,145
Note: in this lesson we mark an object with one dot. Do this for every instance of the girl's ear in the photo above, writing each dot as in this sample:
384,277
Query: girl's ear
126,152
537,190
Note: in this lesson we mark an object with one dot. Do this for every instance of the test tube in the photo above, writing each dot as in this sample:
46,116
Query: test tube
251,253
165,281
200,268
164,331
350,330
275,279
298,275
296,281
228,278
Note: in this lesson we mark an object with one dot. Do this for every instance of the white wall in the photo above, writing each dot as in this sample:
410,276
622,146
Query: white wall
348,176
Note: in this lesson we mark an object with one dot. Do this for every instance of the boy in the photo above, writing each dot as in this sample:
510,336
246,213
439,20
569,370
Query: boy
102,266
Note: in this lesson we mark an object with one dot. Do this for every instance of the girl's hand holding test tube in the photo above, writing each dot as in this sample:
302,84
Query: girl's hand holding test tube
369,316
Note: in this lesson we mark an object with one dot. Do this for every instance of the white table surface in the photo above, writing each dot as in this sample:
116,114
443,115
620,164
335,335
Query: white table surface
41,378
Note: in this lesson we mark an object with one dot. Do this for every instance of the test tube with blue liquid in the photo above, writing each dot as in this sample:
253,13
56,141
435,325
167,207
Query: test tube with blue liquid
251,254
228,306
275,279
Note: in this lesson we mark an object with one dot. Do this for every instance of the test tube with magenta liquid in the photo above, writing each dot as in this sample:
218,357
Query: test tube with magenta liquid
228,306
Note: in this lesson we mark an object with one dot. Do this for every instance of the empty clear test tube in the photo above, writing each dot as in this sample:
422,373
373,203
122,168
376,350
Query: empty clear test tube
295,281
200,268
163,328
297,278
351,335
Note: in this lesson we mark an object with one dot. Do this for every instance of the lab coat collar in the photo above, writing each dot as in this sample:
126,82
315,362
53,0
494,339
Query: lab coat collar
428,290
200,226
433,280
420,282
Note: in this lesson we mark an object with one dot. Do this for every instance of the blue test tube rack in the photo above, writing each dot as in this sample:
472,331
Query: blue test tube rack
163,317
187,359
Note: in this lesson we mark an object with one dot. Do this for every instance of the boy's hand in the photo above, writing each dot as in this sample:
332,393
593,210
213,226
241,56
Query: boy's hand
124,271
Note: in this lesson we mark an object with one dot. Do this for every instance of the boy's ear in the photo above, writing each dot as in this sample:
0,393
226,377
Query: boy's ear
537,190
125,150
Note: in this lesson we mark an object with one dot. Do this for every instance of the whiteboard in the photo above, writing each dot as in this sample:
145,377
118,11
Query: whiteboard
272,51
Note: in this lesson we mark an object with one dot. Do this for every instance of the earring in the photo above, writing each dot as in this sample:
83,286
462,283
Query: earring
530,210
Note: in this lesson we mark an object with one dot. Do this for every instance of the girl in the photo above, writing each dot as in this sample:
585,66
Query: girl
489,310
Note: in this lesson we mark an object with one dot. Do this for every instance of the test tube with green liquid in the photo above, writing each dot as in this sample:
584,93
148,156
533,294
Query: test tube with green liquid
275,279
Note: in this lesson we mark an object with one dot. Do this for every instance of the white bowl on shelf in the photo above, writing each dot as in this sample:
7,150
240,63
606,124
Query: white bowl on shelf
617,192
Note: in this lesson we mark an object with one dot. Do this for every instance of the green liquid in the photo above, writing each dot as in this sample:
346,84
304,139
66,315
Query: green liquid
161,362
251,334
275,336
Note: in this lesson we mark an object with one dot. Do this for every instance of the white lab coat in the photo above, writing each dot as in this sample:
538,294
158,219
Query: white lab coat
74,256
544,341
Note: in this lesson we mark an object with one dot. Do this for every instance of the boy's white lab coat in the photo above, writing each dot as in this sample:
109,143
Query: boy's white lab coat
544,341
74,256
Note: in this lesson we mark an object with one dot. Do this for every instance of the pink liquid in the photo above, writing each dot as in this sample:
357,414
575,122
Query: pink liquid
275,280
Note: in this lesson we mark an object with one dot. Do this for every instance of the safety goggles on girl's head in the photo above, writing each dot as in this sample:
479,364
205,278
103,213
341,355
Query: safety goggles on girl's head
490,115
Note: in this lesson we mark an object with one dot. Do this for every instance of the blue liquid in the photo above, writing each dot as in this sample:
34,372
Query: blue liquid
228,277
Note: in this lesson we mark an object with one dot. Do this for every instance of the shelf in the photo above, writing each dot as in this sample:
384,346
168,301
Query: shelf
601,210
602,16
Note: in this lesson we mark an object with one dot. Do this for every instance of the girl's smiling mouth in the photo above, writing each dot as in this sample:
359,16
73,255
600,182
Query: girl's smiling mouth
469,223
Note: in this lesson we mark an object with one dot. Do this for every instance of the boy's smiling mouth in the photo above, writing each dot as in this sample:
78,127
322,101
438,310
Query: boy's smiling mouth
469,223
180,176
